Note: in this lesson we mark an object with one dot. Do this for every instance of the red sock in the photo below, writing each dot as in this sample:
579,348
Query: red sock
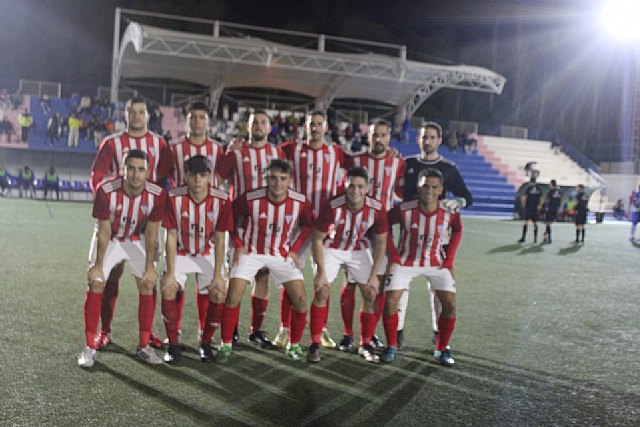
285,310
180,308
146,307
367,327
202,301
170,315
108,307
390,322
92,303
258,312
298,322
381,298
214,319
229,322
325,319
348,304
445,330
317,320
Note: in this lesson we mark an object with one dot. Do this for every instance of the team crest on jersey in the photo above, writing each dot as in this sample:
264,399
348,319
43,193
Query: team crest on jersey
288,218
263,215
414,225
410,170
303,155
145,209
246,159
341,222
387,170
119,207
184,215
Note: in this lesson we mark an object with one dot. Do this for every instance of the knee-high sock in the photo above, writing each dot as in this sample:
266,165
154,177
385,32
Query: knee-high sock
213,321
108,307
317,320
146,307
92,303
298,322
445,329
285,310
203,302
381,298
524,231
367,327
582,239
325,319
347,305
170,317
436,309
258,312
390,322
403,303
229,322
180,308
577,235
535,231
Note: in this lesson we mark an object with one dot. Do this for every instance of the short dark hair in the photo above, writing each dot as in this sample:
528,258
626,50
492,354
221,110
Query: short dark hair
433,125
283,165
198,164
318,113
580,186
358,172
132,101
382,122
199,105
136,154
553,182
261,112
430,173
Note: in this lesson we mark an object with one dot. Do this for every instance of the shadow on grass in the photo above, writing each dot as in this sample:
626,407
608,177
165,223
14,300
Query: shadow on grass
575,247
535,248
505,248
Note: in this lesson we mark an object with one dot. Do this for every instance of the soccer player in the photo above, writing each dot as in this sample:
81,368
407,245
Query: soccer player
128,210
429,139
192,223
634,212
316,171
531,202
386,179
553,202
110,161
246,169
349,216
581,202
422,252
271,216
195,143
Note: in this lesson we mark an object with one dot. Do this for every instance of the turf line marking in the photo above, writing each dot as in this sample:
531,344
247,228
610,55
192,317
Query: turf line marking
49,209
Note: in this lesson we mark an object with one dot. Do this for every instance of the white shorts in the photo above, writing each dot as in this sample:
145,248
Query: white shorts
201,265
130,250
357,264
439,278
383,266
281,270
93,247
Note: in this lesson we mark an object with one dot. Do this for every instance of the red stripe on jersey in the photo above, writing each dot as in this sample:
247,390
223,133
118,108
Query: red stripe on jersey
384,176
246,167
185,149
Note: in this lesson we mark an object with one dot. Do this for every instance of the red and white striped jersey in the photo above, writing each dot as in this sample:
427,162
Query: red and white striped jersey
315,171
349,228
185,149
246,167
386,176
128,215
423,234
196,223
114,149
270,228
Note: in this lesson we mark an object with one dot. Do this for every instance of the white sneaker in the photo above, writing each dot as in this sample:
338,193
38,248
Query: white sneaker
147,355
368,353
87,358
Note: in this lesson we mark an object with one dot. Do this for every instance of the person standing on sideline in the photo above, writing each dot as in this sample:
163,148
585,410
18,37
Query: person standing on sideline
52,182
581,201
634,212
553,203
26,122
531,202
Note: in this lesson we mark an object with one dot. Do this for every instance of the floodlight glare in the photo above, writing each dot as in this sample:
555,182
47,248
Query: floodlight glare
621,18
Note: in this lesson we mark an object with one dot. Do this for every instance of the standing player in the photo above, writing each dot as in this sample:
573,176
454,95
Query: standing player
531,201
246,169
316,167
634,212
422,252
386,178
581,202
429,139
351,215
191,221
553,202
110,161
270,216
195,143
128,211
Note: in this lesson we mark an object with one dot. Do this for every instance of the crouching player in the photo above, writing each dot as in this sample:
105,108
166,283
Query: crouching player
129,210
423,227
192,224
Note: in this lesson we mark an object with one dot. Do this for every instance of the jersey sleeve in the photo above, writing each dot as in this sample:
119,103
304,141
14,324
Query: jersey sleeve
325,218
101,206
454,240
381,226
399,190
159,208
225,218
306,228
165,161
101,164
169,221
227,165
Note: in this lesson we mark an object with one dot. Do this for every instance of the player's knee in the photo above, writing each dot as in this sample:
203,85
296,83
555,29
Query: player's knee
217,296
369,295
322,295
299,302
169,291
96,286
146,288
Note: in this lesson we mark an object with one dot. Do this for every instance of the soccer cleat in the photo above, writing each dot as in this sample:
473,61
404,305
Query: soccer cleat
313,356
521,241
389,355
326,340
376,343
400,338
173,354
294,352
224,353
236,338
259,339
282,338
368,353
444,357
148,356
87,358
103,340
155,342
206,353
346,344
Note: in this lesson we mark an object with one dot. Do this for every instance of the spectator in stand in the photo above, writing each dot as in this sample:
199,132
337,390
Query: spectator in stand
453,141
471,143
17,100
99,130
45,104
6,127
5,99
25,182
54,129
26,121
618,210
119,124
4,181
74,129
52,182
155,121
85,105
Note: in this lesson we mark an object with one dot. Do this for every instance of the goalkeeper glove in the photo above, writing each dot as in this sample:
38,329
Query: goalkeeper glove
454,205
